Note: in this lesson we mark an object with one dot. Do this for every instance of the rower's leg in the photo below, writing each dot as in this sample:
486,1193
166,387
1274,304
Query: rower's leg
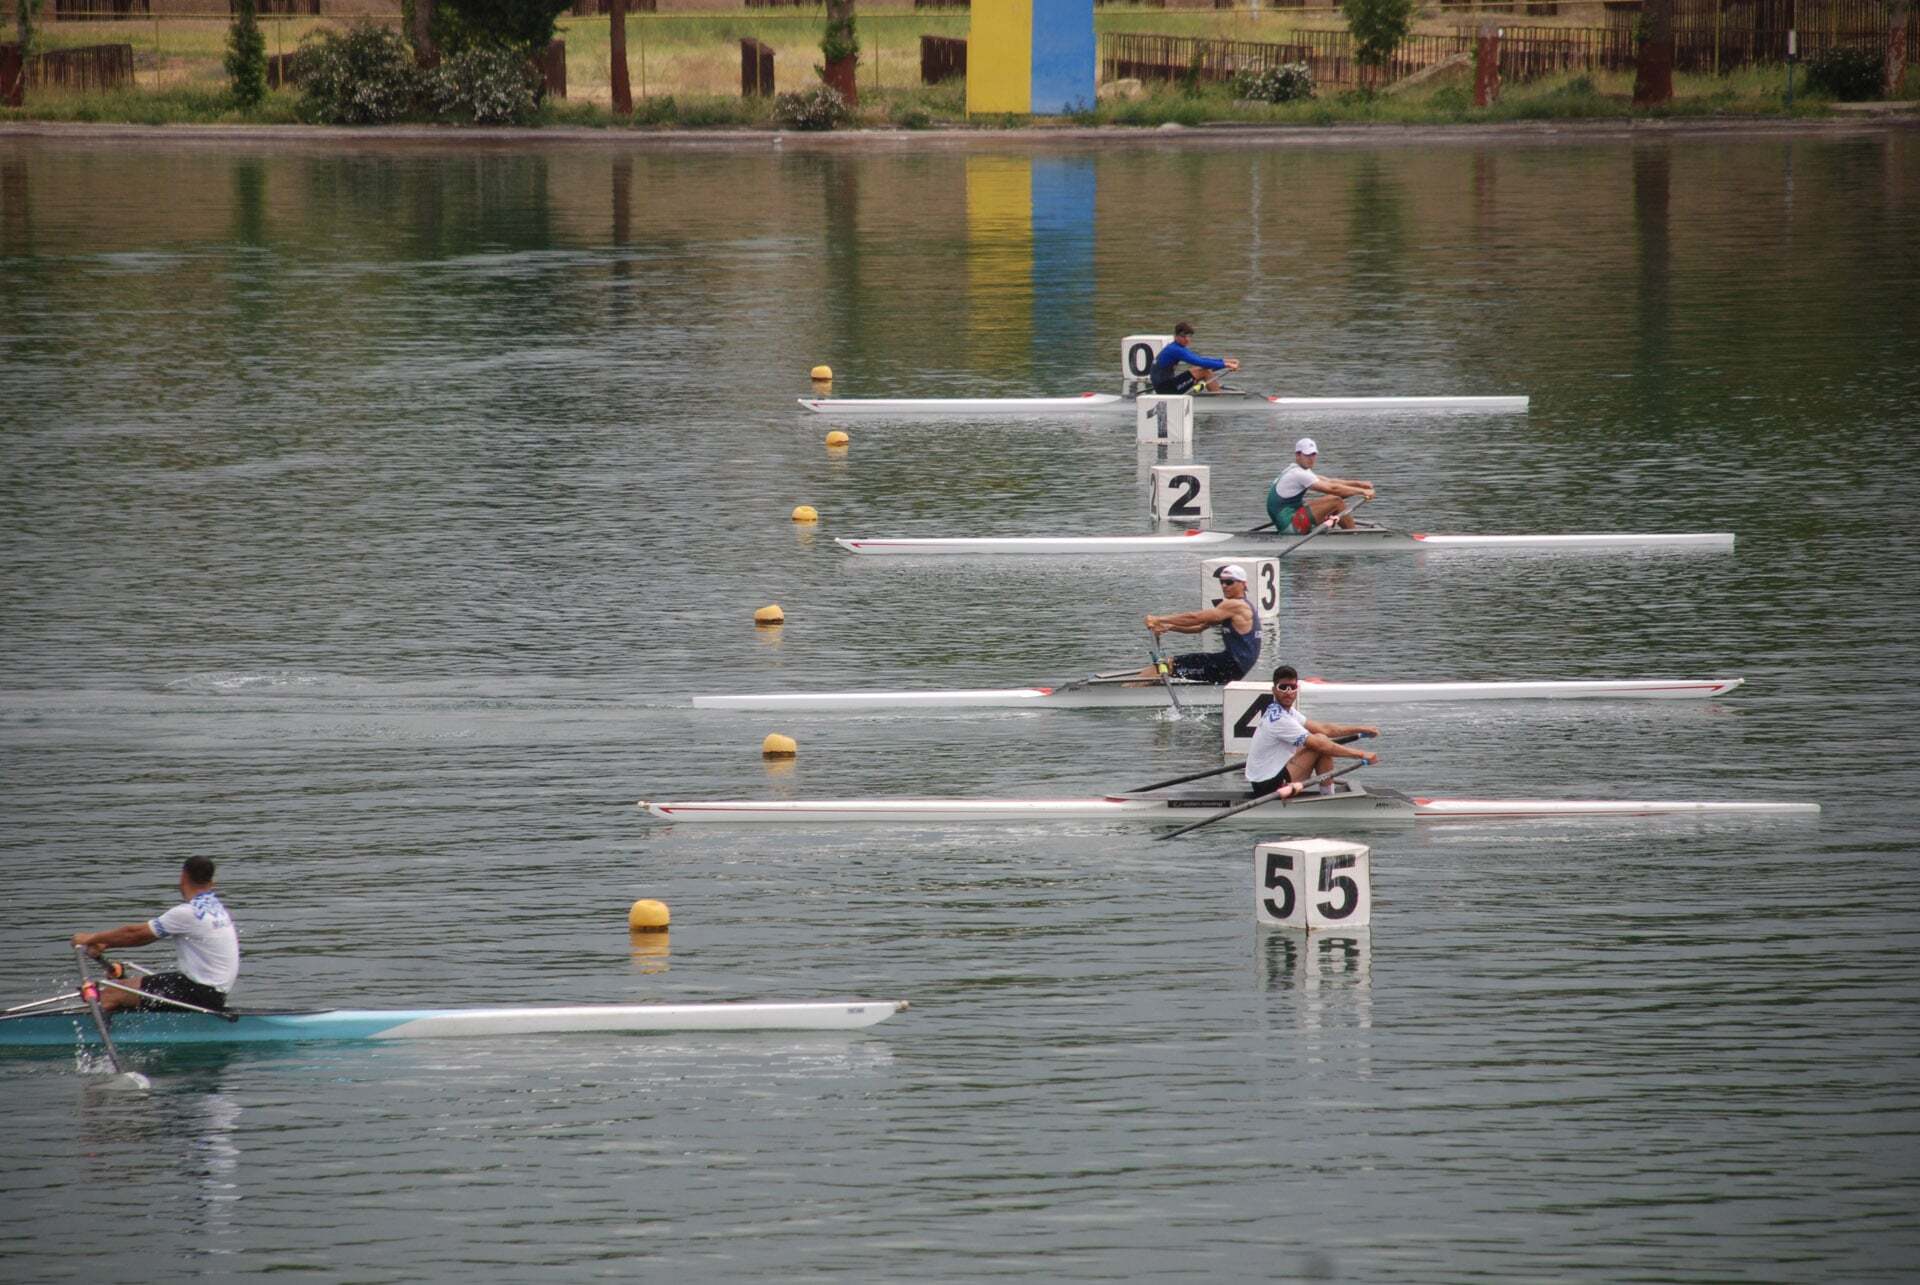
1326,506
1306,763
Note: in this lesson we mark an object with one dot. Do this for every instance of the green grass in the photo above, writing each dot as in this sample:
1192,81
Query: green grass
685,73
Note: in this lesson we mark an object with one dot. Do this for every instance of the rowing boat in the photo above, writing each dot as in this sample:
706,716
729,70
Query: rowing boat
68,1027
1114,404
1179,806
1109,691
1366,539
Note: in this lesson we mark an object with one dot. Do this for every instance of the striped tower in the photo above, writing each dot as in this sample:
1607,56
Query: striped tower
1030,57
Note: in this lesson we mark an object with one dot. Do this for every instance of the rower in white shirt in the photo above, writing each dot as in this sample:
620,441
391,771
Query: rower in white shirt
204,940
1301,499
1288,748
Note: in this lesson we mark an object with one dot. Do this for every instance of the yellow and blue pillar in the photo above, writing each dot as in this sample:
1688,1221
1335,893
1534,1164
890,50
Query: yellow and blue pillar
1031,57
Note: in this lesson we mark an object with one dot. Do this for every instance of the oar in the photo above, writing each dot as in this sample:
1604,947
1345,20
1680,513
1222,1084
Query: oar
90,992
1348,739
1165,671
1331,519
26,1010
1264,798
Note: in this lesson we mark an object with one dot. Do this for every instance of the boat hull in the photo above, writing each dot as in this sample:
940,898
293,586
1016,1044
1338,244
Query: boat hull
1114,404
409,1024
1362,541
1357,807
1206,696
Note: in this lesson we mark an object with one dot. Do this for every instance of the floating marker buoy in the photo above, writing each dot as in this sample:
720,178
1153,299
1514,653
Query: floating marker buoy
822,373
777,746
770,615
805,513
647,916
837,438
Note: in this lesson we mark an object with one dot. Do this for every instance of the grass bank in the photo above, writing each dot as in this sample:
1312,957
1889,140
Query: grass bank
684,69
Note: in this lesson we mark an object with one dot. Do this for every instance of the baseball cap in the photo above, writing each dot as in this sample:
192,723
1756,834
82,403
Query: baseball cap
1232,571
1306,446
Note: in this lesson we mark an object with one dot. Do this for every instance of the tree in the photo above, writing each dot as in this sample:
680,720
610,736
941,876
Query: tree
419,24
840,47
617,40
1378,27
246,56
1653,64
14,94
519,24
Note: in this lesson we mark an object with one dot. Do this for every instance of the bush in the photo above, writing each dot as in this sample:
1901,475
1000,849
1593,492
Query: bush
815,107
1850,75
362,76
1287,83
246,60
485,84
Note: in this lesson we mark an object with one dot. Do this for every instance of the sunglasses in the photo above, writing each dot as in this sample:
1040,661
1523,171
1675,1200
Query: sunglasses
1286,687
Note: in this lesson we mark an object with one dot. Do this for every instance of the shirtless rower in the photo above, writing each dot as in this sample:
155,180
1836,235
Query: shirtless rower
1292,502
1168,379
203,938
1239,622
1289,748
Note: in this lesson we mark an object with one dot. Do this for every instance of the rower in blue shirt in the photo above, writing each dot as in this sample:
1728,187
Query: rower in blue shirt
1168,379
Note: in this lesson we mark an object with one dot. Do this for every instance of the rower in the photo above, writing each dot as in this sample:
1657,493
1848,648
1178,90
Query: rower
1170,381
1288,747
1290,504
1239,622
204,941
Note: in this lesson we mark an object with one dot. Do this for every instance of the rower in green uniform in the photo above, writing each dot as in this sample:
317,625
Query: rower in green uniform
1239,623
1301,499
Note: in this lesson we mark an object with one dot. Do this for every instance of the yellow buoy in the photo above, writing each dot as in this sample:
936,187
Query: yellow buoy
822,373
647,916
770,615
837,438
805,513
777,746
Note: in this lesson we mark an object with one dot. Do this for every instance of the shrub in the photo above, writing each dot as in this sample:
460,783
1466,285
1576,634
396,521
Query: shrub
815,107
485,84
909,116
1578,87
464,24
1450,99
1287,83
246,60
362,76
1850,75
1378,27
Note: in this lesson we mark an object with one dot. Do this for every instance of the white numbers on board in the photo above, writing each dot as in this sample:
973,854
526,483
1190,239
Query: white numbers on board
1311,884
1181,493
1166,420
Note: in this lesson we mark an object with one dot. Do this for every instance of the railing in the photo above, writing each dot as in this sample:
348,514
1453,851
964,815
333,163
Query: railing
86,67
941,58
1125,55
103,10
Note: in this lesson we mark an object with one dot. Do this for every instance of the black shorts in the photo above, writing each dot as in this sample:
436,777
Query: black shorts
1269,785
1214,667
1180,383
183,988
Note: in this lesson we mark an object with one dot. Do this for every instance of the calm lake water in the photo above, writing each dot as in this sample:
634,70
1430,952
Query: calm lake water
371,514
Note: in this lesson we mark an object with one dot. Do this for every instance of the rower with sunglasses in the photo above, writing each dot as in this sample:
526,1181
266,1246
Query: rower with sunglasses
1288,748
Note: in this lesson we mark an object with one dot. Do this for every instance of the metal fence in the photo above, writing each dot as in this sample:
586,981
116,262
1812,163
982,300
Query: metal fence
1148,57
97,67
1710,39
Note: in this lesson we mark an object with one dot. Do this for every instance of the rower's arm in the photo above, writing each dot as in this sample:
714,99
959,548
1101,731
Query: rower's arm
115,938
1193,622
1342,487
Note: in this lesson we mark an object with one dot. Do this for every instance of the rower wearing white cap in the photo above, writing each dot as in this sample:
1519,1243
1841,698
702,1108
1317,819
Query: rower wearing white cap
1291,504
1239,622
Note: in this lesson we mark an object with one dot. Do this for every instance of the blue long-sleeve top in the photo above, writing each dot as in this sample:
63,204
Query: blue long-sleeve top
1177,352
